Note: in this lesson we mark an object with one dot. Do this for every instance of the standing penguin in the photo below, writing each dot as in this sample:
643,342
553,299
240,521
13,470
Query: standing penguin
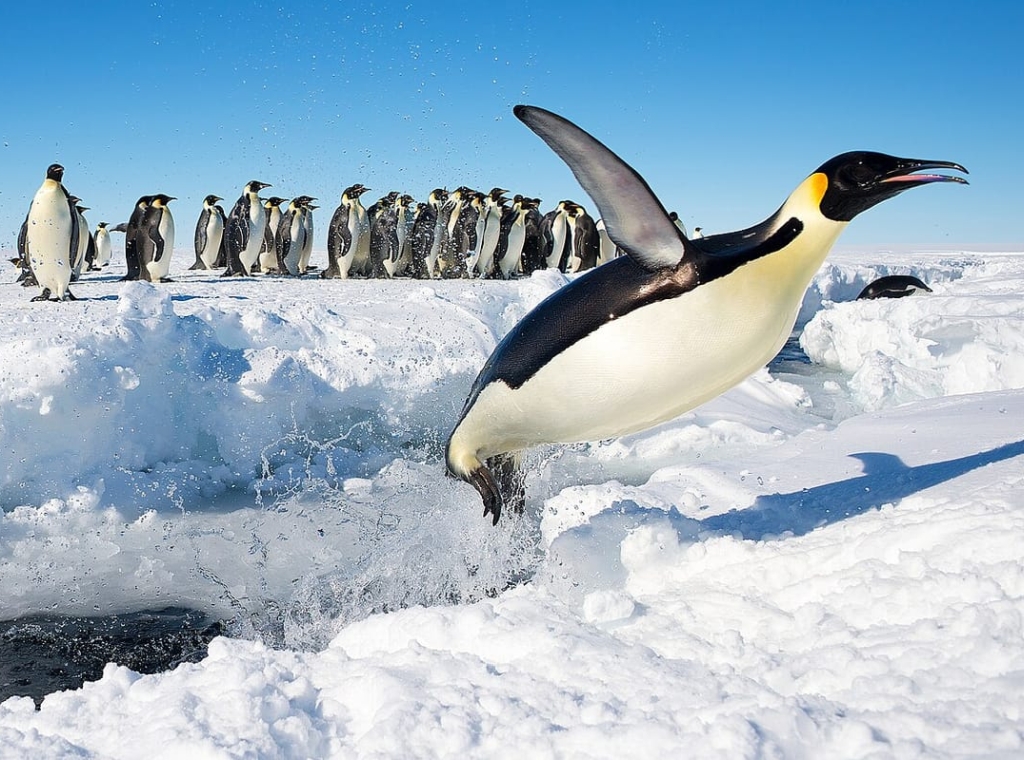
488,227
307,244
244,231
668,326
267,261
209,233
102,241
426,240
515,238
532,258
347,234
291,236
554,229
585,244
51,237
156,239
131,242
84,238
608,250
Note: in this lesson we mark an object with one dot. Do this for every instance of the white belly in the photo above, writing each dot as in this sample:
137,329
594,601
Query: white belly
257,226
214,235
644,368
102,248
49,239
159,269
510,261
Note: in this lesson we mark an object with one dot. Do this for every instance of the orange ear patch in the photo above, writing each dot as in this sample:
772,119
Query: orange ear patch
817,183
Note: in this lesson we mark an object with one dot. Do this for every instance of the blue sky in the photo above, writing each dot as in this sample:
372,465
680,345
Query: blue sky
722,107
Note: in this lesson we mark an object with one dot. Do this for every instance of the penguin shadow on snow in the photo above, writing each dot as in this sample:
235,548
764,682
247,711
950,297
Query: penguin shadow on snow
886,479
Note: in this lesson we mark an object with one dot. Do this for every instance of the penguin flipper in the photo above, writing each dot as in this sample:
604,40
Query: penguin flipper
634,217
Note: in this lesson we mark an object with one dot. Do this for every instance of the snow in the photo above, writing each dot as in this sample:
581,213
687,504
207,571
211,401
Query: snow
823,562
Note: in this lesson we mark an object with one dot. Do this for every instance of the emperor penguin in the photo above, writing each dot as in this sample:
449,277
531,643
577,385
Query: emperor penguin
84,238
348,236
425,235
893,286
668,326
306,251
396,225
585,246
246,225
512,252
209,233
607,250
102,240
382,218
555,236
51,237
291,236
679,223
156,239
132,254
267,261
488,230
532,258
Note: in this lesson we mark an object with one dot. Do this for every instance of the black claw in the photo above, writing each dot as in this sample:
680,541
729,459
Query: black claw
44,296
482,480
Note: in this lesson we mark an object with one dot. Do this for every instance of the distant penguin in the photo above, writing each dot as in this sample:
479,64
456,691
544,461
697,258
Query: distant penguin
131,241
306,251
426,235
209,233
663,329
532,258
102,241
84,239
51,237
348,235
267,261
455,239
698,233
555,236
489,230
608,249
511,252
893,286
246,225
382,219
678,223
585,244
156,239
291,236
395,226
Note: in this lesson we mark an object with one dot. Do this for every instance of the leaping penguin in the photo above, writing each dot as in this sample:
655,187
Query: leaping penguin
893,286
664,328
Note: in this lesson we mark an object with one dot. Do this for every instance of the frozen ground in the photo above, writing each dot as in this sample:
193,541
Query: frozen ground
824,562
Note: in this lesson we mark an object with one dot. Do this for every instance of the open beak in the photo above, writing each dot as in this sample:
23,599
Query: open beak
908,168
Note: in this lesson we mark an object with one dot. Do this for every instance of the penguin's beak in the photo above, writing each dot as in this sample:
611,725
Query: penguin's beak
906,172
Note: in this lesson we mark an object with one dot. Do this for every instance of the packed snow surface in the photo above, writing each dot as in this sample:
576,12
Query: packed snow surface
823,562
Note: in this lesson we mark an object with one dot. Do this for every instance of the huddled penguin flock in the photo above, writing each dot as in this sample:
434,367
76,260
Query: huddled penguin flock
645,336
464,233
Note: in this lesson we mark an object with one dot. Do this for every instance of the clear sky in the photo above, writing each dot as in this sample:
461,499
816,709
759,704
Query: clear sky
722,107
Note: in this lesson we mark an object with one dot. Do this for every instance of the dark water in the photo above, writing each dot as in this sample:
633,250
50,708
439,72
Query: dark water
41,654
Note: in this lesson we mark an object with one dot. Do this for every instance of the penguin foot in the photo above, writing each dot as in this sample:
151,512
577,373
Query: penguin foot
166,279
69,296
482,480
44,296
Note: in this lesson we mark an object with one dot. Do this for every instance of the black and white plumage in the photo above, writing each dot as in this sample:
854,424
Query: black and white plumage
348,236
209,233
155,239
666,327
50,240
246,225
893,286
268,260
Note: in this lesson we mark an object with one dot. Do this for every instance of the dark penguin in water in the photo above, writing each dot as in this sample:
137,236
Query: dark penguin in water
131,242
664,328
209,233
893,286
244,232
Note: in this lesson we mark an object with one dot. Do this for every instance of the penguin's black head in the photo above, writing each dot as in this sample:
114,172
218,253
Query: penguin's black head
254,186
861,179
55,172
211,199
164,199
